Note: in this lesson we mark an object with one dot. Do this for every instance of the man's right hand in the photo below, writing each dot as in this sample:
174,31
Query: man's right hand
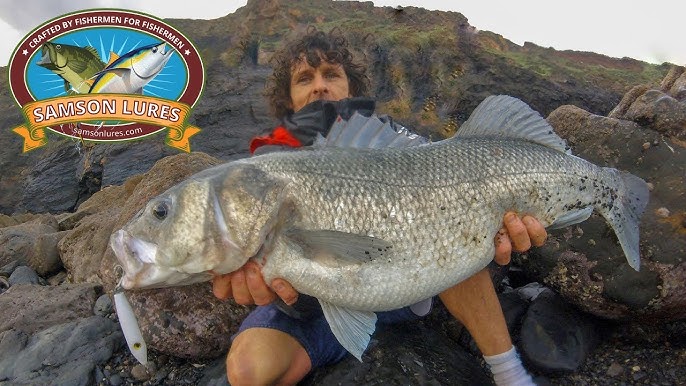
247,286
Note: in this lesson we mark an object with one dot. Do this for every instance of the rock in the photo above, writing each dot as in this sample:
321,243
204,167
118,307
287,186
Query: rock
660,112
554,336
585,263
620,110
64,354
425,357
24,275
31,308
33,243
103,306
7,269
615,370
186,322
674,83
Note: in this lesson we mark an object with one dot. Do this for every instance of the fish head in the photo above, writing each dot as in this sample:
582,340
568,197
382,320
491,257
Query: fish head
148,61
52,56
209,224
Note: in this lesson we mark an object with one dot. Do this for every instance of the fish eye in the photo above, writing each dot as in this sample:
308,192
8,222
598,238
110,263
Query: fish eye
160,210
59,47
154,49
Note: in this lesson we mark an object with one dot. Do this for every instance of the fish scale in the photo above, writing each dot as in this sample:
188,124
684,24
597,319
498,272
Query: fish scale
376,183
366,230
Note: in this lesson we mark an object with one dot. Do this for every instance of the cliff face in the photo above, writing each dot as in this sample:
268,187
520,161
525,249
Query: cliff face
429,70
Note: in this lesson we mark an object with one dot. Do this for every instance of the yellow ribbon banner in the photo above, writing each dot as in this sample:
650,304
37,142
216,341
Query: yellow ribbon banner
106,107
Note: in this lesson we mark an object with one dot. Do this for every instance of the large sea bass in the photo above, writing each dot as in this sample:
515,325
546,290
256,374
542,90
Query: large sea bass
368,230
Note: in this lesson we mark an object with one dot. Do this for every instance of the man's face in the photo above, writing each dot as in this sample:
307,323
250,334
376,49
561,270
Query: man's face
327,81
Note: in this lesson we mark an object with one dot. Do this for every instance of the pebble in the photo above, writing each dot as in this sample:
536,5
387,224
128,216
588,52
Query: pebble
116,380
140,373
662,212
24,275
615,369
646,146
103,306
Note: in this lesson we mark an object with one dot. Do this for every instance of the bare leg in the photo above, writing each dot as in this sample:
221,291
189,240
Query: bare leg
264,356
475,304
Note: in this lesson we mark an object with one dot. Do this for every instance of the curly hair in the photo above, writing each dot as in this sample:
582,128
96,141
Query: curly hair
314,45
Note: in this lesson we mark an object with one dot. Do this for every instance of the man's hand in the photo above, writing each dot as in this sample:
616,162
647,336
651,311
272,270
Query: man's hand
517,235
246,286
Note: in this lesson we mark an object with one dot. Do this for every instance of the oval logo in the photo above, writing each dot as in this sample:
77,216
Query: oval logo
106,75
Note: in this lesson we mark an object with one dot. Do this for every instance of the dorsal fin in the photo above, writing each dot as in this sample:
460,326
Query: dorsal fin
360,132
508,117
113,58
93,51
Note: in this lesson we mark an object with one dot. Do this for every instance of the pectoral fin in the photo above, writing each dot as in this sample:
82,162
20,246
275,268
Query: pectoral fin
352,328
572,218
346,248
78,65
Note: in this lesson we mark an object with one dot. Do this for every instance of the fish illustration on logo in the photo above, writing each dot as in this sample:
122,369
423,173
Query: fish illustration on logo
106,75
129,73
76,65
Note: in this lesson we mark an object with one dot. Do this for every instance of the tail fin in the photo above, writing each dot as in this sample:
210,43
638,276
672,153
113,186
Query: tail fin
625,215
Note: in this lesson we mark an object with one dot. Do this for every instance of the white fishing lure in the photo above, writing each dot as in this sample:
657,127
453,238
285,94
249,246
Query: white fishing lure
129,326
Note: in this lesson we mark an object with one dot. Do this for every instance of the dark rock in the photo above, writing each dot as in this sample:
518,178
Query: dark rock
186,322
660,112
554,336
402,354
103,306
64,354
585,264
215,374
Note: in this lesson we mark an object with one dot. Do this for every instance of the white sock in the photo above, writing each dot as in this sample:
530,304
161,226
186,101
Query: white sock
507,369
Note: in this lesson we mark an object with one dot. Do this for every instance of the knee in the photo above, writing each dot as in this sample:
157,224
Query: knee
243,369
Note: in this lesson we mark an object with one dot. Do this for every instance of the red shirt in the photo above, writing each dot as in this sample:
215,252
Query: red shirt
278,136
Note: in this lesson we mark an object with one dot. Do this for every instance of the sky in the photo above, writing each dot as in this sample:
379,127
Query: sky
651,31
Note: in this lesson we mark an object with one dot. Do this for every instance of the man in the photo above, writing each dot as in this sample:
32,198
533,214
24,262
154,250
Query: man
274,348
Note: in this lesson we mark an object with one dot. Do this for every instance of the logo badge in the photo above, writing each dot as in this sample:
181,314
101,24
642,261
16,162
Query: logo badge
106,75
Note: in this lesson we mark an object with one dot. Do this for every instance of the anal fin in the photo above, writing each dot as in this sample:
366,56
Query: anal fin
352,328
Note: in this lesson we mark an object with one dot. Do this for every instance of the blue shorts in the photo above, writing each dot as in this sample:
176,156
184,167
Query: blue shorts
313,331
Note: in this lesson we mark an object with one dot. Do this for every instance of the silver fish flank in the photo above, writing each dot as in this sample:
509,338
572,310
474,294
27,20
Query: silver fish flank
367,230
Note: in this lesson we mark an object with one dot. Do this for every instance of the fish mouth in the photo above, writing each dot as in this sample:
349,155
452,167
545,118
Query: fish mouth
51,59
135,257
161,53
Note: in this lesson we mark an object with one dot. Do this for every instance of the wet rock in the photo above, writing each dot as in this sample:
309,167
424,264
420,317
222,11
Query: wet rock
554,336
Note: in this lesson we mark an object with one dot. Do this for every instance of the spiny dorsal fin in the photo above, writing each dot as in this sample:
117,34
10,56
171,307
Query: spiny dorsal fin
360,132
508,117
113,58
93,51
